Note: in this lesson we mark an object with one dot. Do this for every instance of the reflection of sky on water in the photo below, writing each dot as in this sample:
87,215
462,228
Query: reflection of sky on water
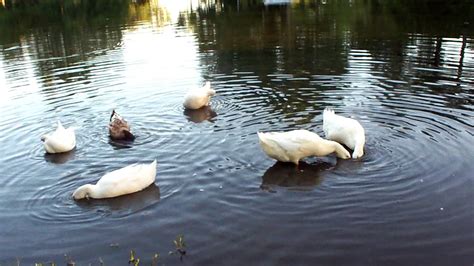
18,75
166,57
4,93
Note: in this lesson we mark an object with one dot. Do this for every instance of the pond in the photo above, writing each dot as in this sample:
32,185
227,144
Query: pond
404,70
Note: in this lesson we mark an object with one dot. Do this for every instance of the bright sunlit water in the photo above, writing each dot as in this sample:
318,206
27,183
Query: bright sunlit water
403,70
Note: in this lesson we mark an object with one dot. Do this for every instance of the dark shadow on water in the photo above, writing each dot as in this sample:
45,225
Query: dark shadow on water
200,115
127,203
303,177
59,158
121,144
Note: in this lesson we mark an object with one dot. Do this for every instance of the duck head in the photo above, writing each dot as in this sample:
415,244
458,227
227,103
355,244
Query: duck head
83,192
340,151
358,152
359,147
207,87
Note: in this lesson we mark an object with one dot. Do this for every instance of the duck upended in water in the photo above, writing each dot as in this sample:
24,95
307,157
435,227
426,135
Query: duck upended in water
119,128
197,98
294,145
344,130
129,179
61,140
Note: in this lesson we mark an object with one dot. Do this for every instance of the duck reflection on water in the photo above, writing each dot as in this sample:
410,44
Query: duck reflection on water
200,115
60,158
304,177
120,144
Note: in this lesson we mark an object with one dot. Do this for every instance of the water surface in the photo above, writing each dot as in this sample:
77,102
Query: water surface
405,71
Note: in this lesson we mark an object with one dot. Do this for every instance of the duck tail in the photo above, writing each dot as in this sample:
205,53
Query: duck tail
328,110
207,87
327,113
262,136
112,115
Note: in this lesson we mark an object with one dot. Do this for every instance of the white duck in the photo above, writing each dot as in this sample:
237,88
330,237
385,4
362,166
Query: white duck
120,182
199,97
293,145
61,140
344,130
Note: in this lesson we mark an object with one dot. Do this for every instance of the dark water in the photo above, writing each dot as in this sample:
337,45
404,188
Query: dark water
404,70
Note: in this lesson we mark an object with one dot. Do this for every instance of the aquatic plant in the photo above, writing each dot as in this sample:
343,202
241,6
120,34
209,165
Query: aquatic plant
133,259
69,261
42,264
180,246
154,259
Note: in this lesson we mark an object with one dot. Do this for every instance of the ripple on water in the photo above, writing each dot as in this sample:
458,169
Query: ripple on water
417,128
401,126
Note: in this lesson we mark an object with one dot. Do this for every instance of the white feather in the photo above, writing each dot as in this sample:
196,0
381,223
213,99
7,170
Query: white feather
123,181
294,145
344,130
199,97
61,140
